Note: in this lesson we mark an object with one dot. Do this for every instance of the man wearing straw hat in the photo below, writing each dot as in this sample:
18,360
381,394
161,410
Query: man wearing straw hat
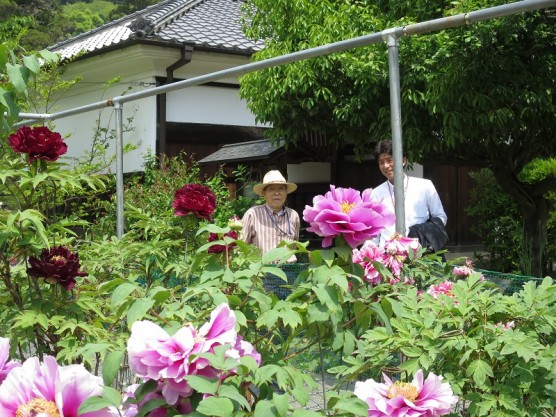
266,225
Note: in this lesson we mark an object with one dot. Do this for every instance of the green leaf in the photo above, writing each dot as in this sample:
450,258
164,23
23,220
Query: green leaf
232,393
151,405
111,365
216,406
524,346
281,402
93,404
145,388
479,370
202,384
354,406
49,56
138,310
7,98
32,63
112,395
18,76
121,293
265,408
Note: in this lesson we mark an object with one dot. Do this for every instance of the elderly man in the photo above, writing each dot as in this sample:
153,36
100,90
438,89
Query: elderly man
266,225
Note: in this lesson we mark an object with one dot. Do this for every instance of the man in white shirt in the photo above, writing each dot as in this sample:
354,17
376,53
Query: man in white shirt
421,198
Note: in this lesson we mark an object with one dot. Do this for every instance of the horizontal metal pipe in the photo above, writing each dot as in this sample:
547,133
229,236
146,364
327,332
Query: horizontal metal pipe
413,29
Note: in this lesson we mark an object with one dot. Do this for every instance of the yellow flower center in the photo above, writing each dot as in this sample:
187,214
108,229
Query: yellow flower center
405,389
346,207
38,407
57,258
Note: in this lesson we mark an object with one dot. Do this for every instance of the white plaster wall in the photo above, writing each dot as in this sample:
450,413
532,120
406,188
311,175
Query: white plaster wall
208,104
79,130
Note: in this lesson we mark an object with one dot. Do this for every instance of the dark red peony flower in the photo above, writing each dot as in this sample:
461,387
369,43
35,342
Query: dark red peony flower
221,248
57,266
196,199
39,143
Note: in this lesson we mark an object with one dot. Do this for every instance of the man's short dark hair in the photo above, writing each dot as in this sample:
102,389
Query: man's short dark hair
383,146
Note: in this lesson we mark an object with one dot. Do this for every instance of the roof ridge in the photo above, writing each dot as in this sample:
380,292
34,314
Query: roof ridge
177,12
113,23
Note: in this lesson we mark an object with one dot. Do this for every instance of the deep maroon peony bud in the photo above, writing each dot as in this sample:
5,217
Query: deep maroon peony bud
57,266
196,199
221,248
39,143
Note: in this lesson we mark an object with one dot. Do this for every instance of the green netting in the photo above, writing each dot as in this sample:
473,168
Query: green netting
277,285
509,283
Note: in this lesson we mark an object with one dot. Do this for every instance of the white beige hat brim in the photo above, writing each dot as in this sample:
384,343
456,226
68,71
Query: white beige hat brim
274,177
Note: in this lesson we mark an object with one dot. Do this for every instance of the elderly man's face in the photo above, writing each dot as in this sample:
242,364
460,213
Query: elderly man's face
275,195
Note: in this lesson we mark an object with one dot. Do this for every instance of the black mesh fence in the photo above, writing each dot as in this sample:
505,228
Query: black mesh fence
509,283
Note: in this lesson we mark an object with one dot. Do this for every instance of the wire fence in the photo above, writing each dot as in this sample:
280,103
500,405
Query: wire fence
508,283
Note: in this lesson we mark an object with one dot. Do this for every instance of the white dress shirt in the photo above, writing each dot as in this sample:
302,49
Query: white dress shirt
421,202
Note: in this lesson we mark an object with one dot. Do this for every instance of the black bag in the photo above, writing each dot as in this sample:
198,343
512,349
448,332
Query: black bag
432,234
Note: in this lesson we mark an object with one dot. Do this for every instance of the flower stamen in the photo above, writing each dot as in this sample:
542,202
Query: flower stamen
38,407
346,207
405,389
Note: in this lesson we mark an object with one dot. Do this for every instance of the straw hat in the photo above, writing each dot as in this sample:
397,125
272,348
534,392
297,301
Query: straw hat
274,177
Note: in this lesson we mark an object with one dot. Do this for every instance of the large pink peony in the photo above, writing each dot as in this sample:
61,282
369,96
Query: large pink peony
154,354
49,390
38,142
429,398
346,212
5,365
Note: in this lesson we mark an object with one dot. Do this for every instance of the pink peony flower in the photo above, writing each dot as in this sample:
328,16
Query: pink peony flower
131,408
505,326
346,212
465,270
5,366
397,250
365,257
443,288
429,398
196,199
39,143
154,354
49,390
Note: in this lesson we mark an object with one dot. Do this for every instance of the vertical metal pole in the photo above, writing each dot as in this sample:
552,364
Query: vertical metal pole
118,108
396,121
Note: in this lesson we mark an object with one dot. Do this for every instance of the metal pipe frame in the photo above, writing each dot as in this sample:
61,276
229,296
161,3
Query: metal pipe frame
391,37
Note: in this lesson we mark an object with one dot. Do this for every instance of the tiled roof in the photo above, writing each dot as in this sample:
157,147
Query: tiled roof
244,151
206,24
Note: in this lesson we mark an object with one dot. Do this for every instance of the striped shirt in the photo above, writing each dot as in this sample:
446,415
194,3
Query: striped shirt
265,228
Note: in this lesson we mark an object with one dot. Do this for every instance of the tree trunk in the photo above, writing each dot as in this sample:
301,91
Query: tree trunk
534,208
532,260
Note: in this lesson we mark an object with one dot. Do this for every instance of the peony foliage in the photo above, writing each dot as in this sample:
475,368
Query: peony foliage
157,324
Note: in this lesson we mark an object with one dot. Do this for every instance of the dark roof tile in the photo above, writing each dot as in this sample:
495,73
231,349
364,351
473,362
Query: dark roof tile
212,24
244,151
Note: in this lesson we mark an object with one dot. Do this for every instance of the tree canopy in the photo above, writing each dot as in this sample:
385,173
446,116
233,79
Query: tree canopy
482,93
